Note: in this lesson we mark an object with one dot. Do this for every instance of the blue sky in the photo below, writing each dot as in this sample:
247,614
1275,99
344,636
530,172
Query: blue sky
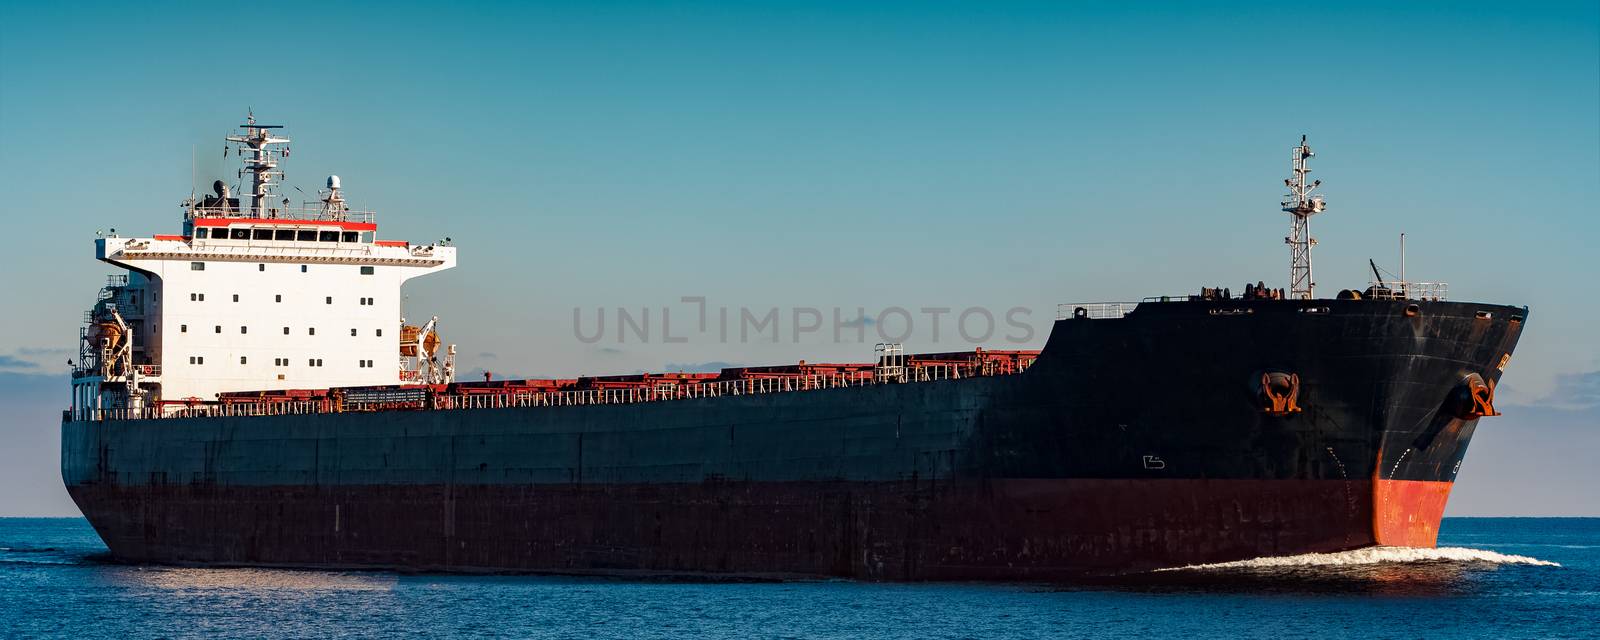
604,155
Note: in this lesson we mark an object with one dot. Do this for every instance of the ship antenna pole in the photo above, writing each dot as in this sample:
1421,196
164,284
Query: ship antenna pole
1403,284
1301,205
257,141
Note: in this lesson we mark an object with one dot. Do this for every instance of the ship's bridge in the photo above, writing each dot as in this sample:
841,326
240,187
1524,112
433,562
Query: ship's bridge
255,294
288,225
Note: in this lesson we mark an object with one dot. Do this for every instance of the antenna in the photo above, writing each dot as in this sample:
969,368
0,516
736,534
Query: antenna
1403,284
256,144
1301,205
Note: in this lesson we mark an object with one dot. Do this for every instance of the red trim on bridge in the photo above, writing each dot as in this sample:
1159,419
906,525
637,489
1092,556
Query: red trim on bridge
224,222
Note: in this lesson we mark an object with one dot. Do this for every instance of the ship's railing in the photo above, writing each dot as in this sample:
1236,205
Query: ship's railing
1094,310
284,213
623,396
1405,290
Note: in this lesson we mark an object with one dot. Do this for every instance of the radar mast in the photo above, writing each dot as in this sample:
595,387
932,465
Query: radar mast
256,144
1301,205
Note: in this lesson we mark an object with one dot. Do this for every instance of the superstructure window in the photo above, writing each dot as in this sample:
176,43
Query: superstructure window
328,236
261,267
240,234
244,329
366,236
277,298
242,360
285,331
306,236
197,359
302,268
219,328
235,297
352,333
197,266
311,331
202,233
262,234
380,333
350,236
283,234
330,299
183,328
367,271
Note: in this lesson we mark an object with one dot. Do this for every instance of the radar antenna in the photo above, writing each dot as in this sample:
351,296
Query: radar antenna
1301,205
256,142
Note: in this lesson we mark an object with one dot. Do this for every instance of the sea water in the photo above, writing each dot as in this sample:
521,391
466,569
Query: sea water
1490,577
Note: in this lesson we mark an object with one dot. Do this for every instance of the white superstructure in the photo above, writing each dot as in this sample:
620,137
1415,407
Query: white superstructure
259,297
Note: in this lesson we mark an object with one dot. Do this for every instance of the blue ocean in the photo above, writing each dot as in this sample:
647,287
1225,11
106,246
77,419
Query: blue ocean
1490,577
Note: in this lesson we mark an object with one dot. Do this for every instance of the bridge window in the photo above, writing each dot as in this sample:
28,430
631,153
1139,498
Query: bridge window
366,236
283,234
306,236
202,233
349,236
327,236
240,234
197,266
262,234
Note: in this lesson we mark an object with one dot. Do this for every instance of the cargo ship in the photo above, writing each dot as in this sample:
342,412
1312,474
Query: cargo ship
247,393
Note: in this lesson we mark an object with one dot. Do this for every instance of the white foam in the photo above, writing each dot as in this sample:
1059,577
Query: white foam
1375,555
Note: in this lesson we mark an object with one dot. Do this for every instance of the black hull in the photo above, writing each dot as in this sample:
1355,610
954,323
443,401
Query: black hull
1131,443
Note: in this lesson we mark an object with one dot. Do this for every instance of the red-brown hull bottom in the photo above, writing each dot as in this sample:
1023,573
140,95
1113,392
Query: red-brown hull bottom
1408,512
995,530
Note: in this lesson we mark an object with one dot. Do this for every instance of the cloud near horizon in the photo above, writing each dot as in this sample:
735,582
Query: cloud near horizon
13,362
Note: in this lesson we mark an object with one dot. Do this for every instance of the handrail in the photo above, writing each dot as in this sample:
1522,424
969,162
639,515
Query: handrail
1406,290
1094,310
274,214
526,399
